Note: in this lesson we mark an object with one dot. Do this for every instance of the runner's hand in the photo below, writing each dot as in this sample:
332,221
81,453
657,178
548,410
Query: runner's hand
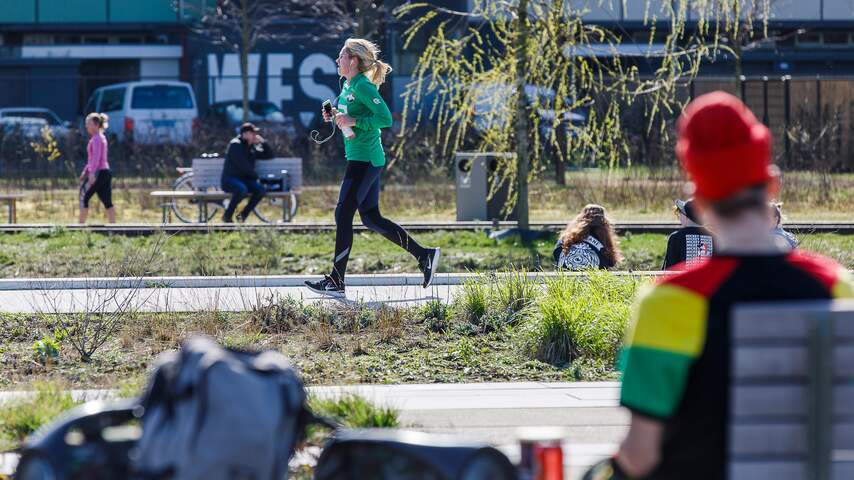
344,121
327,117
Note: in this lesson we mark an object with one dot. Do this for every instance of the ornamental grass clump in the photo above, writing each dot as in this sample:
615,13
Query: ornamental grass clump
579,317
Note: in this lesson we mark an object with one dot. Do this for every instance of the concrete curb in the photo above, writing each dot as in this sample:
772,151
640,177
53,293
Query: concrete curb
259,281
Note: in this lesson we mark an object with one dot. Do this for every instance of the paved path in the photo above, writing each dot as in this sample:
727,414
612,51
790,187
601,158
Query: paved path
490,412
202,299
235,293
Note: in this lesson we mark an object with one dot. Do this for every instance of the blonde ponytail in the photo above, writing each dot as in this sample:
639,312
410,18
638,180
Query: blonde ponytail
100,119
369,59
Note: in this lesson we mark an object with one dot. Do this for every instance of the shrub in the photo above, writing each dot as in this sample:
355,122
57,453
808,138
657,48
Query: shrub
19,418
436,315
471,304
390,322
580,317
354,411
514,294
279,314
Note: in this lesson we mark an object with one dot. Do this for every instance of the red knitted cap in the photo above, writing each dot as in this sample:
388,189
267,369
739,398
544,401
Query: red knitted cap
722,146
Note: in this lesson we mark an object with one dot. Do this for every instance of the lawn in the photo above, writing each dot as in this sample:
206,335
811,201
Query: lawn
632,194
61,253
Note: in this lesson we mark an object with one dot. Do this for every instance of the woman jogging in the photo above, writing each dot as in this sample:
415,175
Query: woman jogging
96,177
360,114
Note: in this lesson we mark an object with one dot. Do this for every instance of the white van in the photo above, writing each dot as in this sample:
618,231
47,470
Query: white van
148,111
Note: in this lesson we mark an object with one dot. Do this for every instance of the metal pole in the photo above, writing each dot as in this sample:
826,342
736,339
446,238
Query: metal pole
818,98
743,81
787,115
765,100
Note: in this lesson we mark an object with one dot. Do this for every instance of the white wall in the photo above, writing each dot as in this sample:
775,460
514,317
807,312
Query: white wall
162,68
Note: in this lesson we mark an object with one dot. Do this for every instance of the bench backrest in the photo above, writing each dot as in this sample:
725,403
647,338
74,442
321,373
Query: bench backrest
792,392
207,171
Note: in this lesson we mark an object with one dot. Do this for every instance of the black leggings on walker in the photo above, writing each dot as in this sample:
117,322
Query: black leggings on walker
102,186
360,191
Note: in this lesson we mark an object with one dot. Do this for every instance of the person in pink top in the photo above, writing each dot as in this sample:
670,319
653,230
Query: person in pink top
96,177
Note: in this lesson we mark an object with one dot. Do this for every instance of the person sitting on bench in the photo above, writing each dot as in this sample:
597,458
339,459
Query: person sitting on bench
238,175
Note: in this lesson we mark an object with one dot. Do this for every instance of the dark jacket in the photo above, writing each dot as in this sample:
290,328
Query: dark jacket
688,245
240,158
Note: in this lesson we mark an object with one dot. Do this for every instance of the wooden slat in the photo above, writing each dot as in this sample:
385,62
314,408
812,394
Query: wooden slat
292,164
764,400
207,172
765,439
768,470
770,361
843,360
843,436
780,324
843,399
842,471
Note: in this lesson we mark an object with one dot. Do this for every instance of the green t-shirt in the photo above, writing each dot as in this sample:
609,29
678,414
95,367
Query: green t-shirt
361,100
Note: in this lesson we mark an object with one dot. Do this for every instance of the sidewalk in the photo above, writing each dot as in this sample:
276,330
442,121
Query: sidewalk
232,299
490,412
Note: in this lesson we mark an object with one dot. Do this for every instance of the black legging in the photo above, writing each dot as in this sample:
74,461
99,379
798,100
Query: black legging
103,186
360,191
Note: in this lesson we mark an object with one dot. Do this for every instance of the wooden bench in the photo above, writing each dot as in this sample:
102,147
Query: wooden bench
207,173
11,201
792,392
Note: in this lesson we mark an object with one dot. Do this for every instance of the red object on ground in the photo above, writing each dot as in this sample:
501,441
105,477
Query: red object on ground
549,462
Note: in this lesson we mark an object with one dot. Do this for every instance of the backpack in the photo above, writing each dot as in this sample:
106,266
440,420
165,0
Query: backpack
216,413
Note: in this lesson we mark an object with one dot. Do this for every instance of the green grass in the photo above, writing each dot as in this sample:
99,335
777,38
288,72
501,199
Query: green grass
354,411
20,418
60,253
580,318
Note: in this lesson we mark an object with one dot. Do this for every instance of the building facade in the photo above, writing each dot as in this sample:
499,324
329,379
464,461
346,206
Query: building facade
54,53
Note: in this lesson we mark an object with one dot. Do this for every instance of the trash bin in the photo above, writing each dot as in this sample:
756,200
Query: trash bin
475,173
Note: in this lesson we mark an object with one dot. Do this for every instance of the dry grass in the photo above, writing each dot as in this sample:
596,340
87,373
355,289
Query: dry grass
636,194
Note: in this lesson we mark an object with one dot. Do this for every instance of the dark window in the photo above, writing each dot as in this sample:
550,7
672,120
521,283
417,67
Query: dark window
809,38
161,96
113,100
835,38
95,40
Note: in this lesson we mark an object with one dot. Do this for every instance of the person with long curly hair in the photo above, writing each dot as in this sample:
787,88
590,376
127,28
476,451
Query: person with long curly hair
588,242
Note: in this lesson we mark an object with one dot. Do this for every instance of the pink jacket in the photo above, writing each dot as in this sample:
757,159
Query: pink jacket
97,150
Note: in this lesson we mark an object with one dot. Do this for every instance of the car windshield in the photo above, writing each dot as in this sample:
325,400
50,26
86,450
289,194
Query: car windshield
46,116
161,96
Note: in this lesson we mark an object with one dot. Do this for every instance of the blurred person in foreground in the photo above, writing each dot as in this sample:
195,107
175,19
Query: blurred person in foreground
238,174
675,360
96,178
692,243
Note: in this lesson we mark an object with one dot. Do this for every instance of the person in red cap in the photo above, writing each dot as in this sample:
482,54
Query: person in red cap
675,360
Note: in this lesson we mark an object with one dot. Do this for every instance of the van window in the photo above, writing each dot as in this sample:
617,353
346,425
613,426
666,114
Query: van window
161,96
113,100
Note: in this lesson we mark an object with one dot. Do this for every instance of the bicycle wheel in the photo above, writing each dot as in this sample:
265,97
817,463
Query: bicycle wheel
270,209
187,210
